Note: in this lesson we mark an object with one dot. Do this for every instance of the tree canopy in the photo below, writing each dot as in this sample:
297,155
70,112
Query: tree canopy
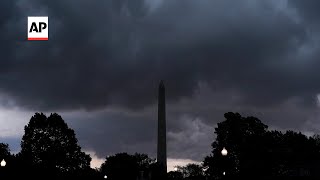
49,144
125,166
191,171
4,151
255,151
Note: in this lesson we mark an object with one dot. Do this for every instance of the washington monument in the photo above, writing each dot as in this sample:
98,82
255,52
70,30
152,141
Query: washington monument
162,137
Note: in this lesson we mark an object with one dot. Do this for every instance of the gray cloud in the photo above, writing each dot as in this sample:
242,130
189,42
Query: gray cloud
306,9
215,56
115,52
14,144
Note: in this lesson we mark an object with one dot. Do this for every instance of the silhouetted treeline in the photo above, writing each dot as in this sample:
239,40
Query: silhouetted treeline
50,150
256,152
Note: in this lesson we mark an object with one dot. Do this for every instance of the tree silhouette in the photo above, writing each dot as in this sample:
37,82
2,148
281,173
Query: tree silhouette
175,175
10,168
125,166
192,171
4,155
120,166
255,152
144,164
50,146
4,151
242,138
291,154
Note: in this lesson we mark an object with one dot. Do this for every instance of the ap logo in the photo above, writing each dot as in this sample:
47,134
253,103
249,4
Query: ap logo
38,28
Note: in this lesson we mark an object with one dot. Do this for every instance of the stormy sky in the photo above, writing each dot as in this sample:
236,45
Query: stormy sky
104,59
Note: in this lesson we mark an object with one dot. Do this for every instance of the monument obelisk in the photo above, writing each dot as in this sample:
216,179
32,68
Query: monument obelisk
162,136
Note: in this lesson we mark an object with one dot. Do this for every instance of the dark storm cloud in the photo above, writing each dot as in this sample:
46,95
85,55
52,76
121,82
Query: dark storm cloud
308,10
110,132
115,52
255,57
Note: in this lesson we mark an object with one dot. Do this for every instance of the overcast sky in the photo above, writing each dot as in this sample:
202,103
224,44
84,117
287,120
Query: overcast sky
104,59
